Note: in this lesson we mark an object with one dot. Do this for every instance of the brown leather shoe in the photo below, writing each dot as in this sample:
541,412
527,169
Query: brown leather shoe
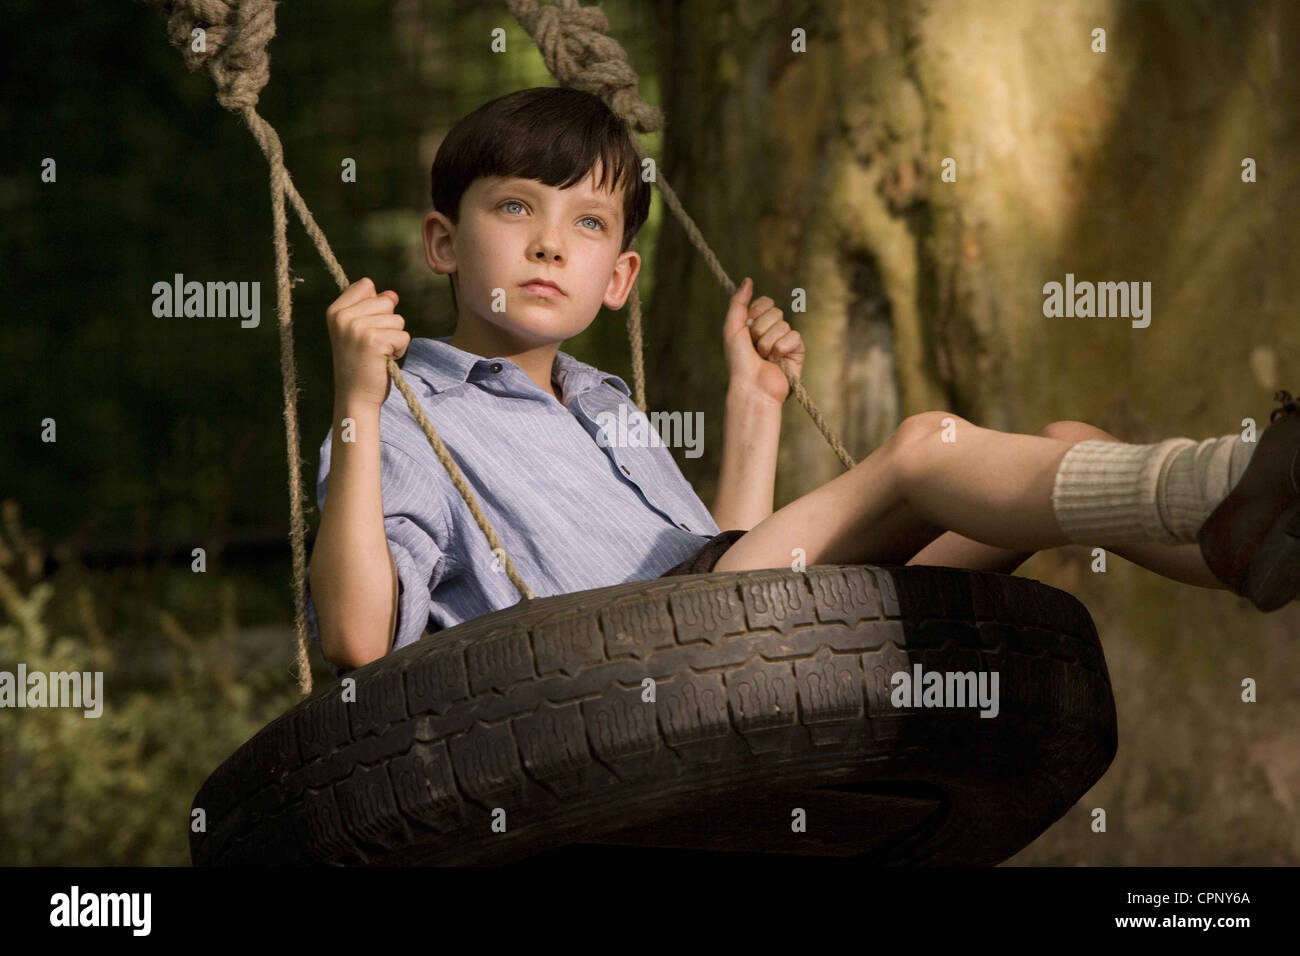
1251,541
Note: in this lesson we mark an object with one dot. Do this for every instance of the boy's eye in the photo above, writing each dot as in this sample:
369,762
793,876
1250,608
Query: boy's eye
515,202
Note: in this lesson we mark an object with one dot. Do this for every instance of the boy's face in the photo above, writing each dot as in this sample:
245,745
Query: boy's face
514,230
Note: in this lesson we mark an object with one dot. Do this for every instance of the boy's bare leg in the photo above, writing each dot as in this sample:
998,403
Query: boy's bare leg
991,487
868,514
1179,562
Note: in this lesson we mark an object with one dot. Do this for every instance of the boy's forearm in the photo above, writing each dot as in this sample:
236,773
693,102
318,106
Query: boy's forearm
353,577
747,478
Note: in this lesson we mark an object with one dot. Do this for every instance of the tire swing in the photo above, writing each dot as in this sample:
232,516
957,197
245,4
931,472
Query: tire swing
772,689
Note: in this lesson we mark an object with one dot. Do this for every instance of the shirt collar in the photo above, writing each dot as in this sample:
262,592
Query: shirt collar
443,365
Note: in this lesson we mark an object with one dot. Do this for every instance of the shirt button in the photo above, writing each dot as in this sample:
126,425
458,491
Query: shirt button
684,526
625,471
496,366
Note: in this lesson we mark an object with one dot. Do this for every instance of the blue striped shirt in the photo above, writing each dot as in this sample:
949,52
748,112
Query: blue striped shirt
572,514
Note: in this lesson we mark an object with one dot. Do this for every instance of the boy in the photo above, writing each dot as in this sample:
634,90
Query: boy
536,198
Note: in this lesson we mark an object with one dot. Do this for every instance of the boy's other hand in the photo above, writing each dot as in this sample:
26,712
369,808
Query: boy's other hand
756,339
364,332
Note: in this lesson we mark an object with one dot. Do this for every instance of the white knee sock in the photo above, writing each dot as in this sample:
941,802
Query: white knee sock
1109,492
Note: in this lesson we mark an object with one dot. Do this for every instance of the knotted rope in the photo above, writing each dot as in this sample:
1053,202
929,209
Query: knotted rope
231,37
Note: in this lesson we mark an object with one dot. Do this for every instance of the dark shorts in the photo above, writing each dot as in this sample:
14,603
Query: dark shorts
703,560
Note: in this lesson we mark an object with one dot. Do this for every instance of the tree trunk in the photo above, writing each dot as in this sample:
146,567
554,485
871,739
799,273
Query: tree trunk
821,170
802,170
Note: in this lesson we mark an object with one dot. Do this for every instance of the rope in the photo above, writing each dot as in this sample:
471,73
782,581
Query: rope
574,43
576,49
634,338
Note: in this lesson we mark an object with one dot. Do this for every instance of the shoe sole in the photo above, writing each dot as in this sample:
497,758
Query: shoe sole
1273,578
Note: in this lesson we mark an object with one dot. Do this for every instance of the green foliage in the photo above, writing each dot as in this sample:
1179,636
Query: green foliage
114,789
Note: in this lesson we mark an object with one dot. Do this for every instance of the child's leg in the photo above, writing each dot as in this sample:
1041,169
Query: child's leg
988,486
1180,562
878,511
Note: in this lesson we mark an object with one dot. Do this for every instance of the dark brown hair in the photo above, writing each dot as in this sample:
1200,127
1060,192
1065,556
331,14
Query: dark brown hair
549,133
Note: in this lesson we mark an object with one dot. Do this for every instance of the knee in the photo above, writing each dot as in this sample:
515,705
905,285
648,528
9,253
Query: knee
924,425
923,430
1075,432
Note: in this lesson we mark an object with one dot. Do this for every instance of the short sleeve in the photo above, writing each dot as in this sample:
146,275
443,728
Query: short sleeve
414,523
420,567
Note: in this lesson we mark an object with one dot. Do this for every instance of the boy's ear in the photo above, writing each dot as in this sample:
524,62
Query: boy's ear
626,269
439,250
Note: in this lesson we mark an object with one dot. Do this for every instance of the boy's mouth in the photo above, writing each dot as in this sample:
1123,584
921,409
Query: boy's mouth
542,287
